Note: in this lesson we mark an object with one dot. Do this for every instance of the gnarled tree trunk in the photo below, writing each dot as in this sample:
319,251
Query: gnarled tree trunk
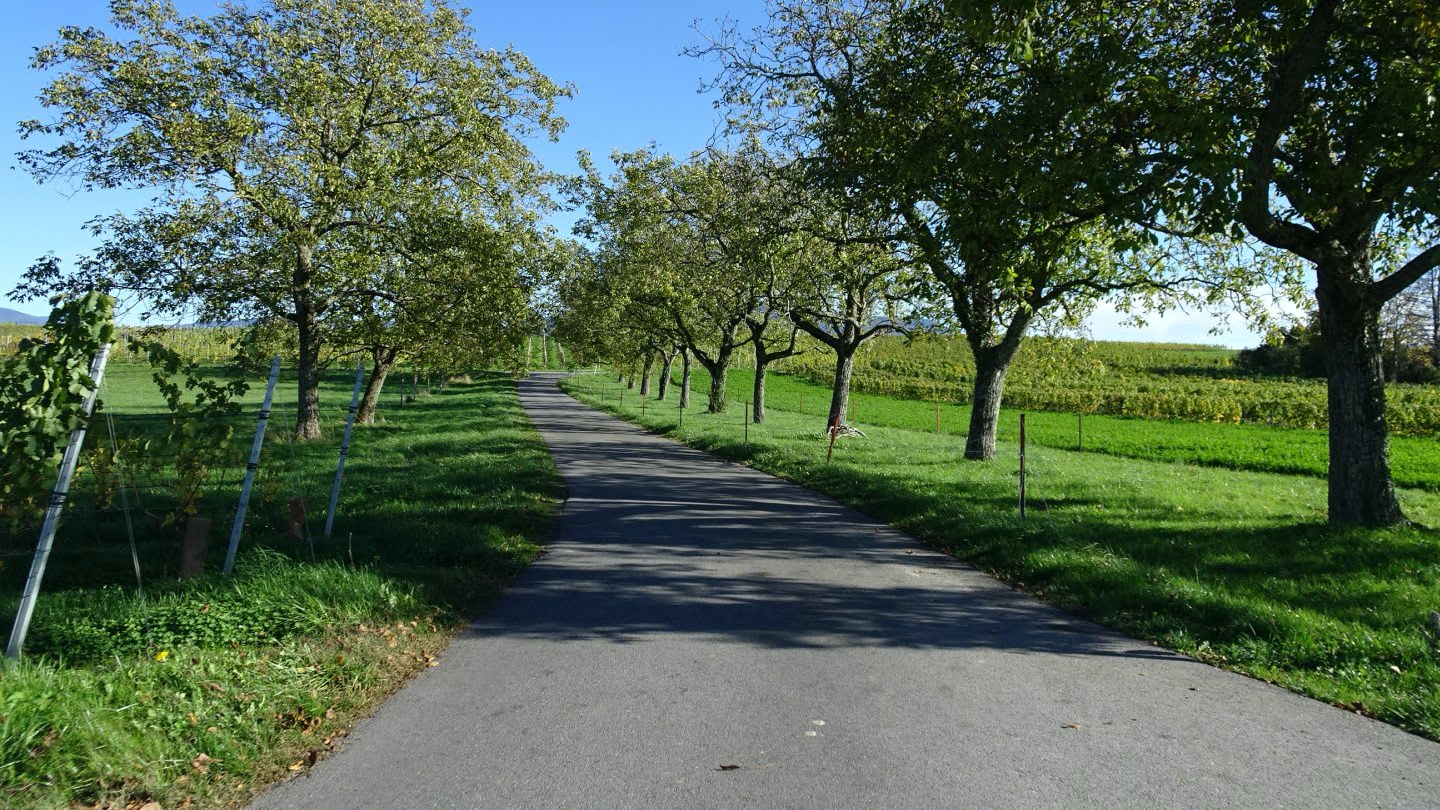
1360,489
718,369
666,361
645,374
985,405
684,378
383,360
307,411
757,393
840,387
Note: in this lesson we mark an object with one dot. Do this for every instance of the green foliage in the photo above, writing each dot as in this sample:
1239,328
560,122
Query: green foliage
200,433
336,165
269,598
43,388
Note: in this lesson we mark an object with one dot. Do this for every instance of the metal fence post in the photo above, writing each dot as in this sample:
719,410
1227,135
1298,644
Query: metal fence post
239,525
53,510
344,449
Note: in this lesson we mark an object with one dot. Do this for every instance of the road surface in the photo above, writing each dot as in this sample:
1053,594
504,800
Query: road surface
703,635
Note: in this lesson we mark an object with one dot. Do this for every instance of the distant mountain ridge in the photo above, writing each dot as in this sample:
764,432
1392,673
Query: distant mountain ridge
16,316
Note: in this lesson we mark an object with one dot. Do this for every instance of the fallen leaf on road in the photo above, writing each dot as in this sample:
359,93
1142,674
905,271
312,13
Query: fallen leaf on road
728,768
1071,725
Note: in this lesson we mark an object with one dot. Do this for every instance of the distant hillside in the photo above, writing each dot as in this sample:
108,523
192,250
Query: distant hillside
15,316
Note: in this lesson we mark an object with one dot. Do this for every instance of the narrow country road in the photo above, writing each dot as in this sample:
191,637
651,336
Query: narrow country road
706,636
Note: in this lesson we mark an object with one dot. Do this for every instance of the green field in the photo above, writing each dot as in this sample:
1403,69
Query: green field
1232,566
1259,448
1158,381
207,689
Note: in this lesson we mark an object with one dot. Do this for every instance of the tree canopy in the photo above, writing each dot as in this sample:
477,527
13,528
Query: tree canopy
279,136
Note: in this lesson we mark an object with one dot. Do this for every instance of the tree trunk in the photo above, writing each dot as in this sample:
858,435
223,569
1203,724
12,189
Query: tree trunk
1435,317
718,370
1360,489
645,375
382,363
630,381
684,378
666,361
307,411
762,358
757,394
990,367
840,387
560,350
544,351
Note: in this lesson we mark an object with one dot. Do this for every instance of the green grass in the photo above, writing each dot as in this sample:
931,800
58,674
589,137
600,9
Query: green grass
1415,462
1237,568
207,689
1146,380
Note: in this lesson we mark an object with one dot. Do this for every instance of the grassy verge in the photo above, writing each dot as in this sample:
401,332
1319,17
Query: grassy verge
1257,448
1236,568
198,693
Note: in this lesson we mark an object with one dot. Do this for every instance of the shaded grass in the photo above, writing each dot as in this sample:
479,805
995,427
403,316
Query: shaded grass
206,689
1234,567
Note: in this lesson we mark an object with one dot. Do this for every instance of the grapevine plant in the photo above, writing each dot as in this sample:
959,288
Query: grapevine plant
43,387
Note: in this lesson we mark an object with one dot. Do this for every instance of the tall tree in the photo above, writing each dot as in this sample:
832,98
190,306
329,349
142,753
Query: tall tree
1009,169
858,286
1315,125
693,238
290,123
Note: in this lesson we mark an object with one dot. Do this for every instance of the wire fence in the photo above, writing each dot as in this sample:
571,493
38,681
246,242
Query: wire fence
134,495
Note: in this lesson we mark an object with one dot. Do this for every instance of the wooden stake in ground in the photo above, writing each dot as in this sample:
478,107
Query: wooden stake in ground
194,547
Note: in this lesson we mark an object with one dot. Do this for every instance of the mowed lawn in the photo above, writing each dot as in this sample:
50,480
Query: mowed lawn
200,692
1235,567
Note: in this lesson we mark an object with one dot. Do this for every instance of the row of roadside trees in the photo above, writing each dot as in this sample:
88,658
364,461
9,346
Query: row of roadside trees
354,171
898,164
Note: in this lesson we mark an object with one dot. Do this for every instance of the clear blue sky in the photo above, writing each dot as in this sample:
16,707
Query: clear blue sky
623,56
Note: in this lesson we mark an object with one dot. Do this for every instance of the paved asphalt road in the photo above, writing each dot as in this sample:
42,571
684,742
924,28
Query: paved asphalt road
704,636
